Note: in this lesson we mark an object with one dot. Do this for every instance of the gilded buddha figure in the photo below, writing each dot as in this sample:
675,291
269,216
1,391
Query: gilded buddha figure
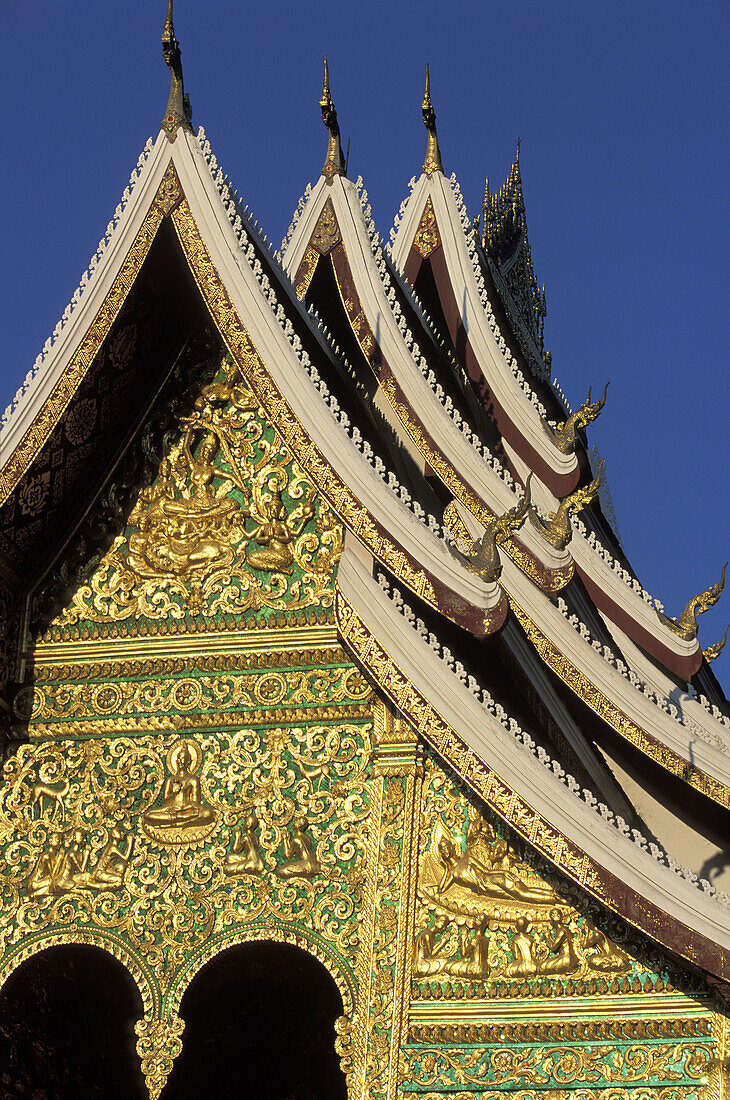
465,870
275,531
183,815
184,528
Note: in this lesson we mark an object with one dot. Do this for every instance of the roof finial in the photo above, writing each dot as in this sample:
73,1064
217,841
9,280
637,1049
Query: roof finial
432,163
333,162
178,111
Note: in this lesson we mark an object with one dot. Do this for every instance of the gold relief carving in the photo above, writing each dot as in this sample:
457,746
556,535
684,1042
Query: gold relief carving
139,854
299,853
158,1044
75,372
606,709
561,1066
322,475
188,547
306,271
427,238
169,192
226,692
326,232
244,857
432,727
572,1093
183,817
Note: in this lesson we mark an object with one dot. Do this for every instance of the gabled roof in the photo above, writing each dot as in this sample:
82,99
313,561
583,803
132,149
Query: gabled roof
279,349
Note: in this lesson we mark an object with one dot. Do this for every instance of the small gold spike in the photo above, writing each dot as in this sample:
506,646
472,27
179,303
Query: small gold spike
178,111
715,650
432,163
334,161
686,625
565,436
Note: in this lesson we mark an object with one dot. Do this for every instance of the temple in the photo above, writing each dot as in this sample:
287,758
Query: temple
345,754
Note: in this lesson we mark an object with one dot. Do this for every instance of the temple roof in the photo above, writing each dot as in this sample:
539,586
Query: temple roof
489,577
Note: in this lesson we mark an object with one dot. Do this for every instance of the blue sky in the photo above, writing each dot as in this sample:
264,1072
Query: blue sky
622,112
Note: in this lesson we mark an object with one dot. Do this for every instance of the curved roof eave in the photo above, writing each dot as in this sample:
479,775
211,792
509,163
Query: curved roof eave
444,447
214,254
559,469
573,837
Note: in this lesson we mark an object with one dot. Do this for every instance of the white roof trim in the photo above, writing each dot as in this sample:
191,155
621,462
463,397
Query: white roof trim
90,299
472,468
606,578
609,680
484,345
299,391
534,783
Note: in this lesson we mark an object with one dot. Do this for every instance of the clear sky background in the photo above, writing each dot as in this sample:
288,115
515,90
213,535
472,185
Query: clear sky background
622,109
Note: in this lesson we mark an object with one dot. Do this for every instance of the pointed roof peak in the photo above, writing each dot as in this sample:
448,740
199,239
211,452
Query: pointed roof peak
334,161
178,111
432,163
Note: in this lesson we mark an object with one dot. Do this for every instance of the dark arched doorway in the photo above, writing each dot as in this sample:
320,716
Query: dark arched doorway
67,1020
259,1025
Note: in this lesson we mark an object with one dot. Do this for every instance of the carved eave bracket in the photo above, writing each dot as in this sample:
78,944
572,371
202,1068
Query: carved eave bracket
565,437
686,625
178,112
334,162
432,162
484,560
557,529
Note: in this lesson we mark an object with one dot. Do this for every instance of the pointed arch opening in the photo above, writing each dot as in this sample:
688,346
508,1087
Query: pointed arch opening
67,1019
259,1021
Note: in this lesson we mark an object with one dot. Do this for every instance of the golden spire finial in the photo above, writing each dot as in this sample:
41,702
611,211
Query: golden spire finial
178,111
334,161
432,163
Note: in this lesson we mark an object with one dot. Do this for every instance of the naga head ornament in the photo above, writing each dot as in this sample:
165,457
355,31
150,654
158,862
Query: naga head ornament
485,561
686,625
566,435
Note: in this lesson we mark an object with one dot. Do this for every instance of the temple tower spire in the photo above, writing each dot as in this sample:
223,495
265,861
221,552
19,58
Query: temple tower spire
334,161
178,111
432,163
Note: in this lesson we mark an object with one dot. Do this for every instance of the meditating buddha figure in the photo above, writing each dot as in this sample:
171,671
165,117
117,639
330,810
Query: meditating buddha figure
182,533
182,805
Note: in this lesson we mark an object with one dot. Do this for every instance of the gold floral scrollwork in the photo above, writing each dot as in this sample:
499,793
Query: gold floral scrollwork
187,549
326,232
169,192
427,238
158,1045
